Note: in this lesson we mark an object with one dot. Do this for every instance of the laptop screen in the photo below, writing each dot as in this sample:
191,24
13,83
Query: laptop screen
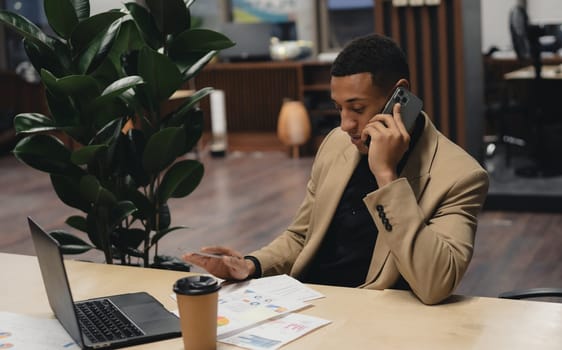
55,280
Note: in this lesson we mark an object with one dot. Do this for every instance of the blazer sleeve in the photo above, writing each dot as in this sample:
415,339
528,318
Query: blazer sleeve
279,256
431,250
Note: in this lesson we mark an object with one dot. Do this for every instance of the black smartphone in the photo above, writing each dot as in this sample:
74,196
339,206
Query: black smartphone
410,108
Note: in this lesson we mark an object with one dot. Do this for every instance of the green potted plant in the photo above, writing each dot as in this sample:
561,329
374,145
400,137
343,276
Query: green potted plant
103,74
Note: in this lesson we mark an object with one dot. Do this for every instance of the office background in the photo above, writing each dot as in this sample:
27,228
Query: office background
238,204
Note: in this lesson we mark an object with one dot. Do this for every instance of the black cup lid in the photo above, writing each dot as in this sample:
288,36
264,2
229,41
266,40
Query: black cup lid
196,285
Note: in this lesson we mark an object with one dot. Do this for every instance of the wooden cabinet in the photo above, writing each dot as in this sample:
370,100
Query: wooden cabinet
255,91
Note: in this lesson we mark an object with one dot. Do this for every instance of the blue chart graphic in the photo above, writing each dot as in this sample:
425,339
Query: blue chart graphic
4,344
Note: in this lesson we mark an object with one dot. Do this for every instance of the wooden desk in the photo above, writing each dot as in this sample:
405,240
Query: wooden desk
362,319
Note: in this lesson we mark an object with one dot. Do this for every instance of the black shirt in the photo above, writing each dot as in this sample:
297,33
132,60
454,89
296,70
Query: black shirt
345,255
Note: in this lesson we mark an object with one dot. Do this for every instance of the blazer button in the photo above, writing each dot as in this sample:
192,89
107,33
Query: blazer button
388,227
380,208
385,222
382,215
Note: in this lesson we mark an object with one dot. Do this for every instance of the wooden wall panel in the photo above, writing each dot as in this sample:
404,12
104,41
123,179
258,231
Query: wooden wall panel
410,46
443,68
427,65
433,38
459,72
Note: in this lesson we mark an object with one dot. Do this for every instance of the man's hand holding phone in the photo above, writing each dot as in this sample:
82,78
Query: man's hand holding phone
387,134
389,140
222,262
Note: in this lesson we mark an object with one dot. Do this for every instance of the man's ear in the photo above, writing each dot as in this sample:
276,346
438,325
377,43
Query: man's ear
402,83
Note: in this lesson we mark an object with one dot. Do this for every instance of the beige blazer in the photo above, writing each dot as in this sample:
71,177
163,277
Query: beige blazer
431,211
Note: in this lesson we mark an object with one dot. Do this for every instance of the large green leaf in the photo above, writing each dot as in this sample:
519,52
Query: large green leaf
62,109
178,117
81,88
69,243
186,61
121,211
133,159
164,218
45,153
117,155
118,86
27,123
98,49
25,28
142,203
61,16
107,72
86,154
97,227
193,129
78,222
162,233
109,103
92,191
124,238
128,39
109,111
162,82
197,40
146,25
109,132
194,69
162,149
170,15
79,85
90,28
43,57
82,8
67,189
180,180
191,120
64,54
51,83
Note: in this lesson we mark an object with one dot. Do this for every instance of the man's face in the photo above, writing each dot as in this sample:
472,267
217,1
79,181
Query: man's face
357,100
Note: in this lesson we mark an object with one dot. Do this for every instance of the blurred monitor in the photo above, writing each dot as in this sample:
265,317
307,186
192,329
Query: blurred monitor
343,20
252,39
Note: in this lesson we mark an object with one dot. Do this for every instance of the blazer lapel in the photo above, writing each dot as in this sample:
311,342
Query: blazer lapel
334,184
327,200
416,171
420,161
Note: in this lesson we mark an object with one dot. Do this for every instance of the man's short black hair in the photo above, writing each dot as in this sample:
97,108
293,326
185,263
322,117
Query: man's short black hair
375,54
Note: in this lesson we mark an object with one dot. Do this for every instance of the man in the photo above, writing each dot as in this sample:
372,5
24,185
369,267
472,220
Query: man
399,212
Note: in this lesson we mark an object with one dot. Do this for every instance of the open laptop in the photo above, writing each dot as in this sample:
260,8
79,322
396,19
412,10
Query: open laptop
124,320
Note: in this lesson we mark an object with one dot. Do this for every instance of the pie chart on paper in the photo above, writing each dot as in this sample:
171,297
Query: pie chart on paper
221,321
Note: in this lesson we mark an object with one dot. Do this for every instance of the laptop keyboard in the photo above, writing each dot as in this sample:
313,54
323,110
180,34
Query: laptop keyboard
101,321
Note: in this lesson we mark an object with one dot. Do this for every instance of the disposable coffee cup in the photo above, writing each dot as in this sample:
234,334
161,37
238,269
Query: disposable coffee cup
197,303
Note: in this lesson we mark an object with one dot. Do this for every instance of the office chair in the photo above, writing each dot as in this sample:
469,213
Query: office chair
500,110
532,293
527,46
